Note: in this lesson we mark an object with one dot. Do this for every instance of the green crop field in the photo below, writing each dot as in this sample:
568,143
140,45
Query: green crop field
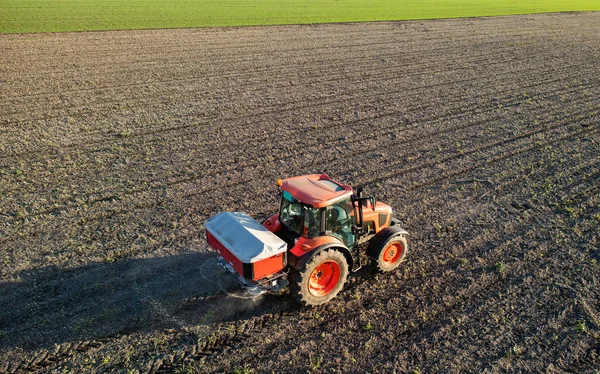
17,16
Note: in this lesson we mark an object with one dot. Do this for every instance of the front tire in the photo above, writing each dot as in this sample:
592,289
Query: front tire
389,255
321,279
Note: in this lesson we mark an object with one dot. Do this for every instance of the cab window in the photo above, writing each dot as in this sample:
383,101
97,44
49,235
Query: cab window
312,222
339,219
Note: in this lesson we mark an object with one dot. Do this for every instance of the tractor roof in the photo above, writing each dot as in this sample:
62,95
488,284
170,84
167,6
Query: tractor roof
317,190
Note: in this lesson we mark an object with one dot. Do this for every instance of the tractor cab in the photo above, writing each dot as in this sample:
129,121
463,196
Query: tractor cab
304,220
315,207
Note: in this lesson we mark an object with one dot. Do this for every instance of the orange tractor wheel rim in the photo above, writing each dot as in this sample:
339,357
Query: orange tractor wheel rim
324,278
392,253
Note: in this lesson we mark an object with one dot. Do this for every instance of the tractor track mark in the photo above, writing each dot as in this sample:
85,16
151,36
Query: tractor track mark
109,197
448,117
446,177
284,37
357,122
249,57
343,75
443,39
266,113
437,181
145,83
134,67
511,97
235,73
430,164
544,128
45,118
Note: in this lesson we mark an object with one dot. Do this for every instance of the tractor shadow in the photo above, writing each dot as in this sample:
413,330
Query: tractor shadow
53,305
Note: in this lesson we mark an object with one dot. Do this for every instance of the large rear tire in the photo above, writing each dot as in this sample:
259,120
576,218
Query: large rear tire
321,279
390,254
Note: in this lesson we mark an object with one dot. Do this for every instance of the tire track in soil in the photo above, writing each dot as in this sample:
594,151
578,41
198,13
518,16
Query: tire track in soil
348,142
553,72
427,165
246,37
144,83
171,64
412,68
384,129
441,37
266,202
420,167
343,45
444,178
201,126
416,64
473,43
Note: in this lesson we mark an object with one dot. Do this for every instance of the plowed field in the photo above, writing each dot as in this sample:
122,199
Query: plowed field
483,134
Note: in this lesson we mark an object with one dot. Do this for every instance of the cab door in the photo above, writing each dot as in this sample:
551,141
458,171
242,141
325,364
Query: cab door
339,222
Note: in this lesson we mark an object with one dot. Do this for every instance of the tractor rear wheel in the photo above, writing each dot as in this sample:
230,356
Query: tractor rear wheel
391,253
321,279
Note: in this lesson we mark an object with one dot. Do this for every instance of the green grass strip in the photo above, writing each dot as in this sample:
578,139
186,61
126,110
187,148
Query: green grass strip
19,16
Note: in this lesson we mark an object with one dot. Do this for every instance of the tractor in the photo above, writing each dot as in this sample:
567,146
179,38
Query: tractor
323,231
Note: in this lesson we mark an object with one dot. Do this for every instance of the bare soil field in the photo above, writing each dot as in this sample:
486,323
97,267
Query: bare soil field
483,134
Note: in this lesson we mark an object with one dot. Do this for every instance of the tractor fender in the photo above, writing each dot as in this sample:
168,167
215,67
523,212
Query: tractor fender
272,223
381,237
298,262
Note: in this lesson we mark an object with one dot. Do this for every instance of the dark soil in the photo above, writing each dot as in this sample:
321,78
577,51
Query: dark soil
483,134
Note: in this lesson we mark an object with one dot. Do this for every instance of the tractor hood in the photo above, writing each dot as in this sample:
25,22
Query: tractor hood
244,237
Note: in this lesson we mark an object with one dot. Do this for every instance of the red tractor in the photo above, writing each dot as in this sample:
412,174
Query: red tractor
323,231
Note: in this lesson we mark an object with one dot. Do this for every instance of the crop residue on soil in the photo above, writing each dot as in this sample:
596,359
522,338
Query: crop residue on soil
483,134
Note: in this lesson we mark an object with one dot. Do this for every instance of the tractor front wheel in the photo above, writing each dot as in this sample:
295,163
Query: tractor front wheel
391,253
321,279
